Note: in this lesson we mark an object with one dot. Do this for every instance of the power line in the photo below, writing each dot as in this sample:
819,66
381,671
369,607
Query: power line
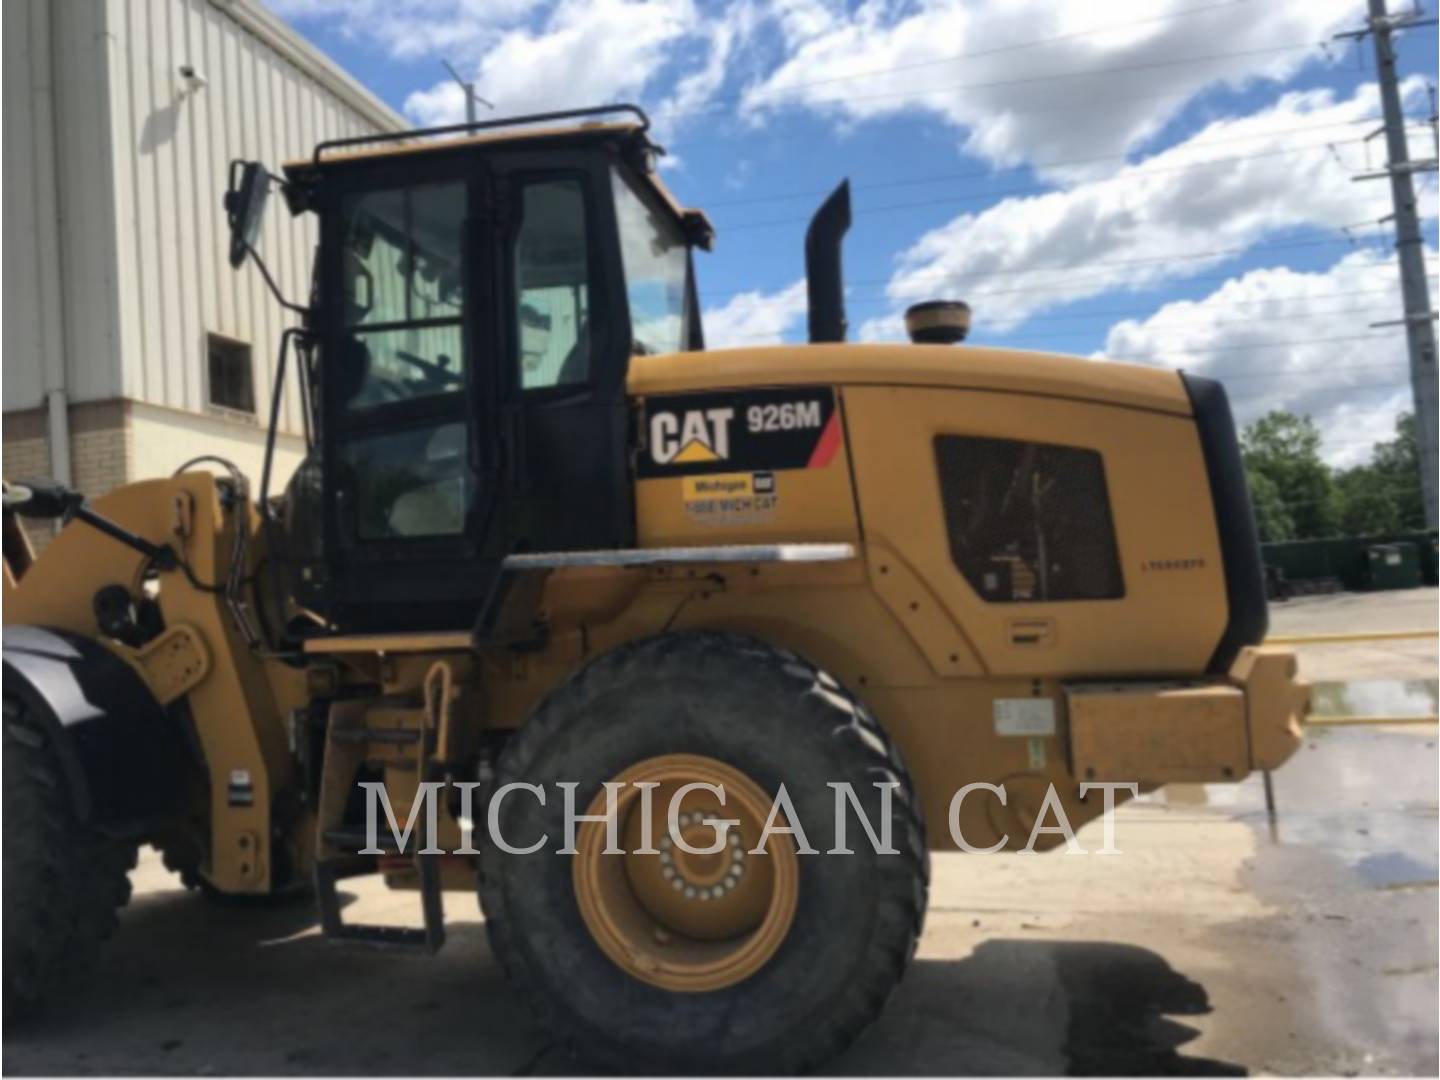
1005,337
1348,388
1139,174
1160,353
982,174
1222,276
1167,351
1311,373
1151,65
740,96
1308,316
982,294
943,277
1036,43
1110,313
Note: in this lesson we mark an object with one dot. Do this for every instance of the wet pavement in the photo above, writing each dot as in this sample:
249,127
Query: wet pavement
1401,698
1218,943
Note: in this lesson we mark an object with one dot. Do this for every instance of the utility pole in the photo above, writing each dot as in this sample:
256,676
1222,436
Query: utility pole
471,97
1419,318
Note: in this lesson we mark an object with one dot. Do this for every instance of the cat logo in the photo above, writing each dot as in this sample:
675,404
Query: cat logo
698,435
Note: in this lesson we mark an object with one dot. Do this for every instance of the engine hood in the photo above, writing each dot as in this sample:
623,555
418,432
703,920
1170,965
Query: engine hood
969,367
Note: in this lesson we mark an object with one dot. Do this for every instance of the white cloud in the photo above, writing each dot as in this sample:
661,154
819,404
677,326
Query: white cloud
721,36
1282,339
532,57
1161,219
410,29
581,54
755,318
956,60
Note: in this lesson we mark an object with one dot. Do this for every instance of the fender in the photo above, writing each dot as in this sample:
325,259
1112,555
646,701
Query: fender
122,755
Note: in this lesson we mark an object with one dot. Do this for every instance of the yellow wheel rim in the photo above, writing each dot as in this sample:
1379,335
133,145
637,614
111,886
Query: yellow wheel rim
686,921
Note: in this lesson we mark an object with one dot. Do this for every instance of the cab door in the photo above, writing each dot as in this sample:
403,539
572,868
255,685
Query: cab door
564,417
408,354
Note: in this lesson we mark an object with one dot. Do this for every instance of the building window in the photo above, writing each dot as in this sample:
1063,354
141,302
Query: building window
231,384
1028,521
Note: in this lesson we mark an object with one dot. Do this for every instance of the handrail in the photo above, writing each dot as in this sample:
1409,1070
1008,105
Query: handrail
480,125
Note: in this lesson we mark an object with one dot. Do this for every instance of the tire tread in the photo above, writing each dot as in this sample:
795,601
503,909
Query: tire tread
902,911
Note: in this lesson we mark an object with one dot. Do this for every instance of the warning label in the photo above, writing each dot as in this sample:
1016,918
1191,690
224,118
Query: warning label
730,498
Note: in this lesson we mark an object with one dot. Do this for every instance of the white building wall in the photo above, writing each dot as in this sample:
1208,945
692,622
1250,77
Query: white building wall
59,270
161,440
267,96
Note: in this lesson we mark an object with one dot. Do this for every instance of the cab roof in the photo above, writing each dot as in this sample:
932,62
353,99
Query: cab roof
520,132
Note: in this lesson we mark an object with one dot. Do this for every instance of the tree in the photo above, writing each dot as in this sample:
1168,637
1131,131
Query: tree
1384,495
1272,517
1398,462
1365,507
1282,460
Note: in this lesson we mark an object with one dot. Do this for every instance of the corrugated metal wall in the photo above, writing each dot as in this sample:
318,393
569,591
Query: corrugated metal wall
115,241
31,237
59,276
173,147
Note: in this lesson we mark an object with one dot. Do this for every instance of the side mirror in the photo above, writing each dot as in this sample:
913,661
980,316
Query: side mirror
245,206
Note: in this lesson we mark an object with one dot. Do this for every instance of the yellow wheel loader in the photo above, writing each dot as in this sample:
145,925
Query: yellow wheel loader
684,660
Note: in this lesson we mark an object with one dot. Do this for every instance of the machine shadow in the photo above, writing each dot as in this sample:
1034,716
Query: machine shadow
1037,1007
190,986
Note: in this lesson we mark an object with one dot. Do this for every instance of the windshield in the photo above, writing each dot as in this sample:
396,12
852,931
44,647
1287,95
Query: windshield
654,253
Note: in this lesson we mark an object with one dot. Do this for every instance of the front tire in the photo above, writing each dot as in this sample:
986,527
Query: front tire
722,706
63,882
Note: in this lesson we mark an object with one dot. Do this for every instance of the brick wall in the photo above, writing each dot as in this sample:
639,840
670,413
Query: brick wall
27,453
102,452
102,447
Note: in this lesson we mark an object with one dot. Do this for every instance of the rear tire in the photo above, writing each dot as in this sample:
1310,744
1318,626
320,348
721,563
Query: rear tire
776,719
63,882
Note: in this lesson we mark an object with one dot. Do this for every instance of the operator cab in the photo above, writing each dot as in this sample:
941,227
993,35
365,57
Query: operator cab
477,298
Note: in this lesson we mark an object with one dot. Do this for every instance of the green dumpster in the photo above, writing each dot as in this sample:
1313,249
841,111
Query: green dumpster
1392,566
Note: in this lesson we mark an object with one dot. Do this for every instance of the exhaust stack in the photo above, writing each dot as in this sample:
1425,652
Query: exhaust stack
824,278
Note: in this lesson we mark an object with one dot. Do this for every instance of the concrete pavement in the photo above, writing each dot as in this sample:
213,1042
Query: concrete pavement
1214,945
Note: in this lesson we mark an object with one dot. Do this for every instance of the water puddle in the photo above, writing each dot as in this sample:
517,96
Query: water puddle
1393,869
1363,794
1376,697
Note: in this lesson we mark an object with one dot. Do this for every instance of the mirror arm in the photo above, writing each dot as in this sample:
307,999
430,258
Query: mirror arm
299,309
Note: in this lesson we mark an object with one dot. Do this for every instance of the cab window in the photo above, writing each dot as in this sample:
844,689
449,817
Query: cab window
401,295
552,285
653,251
409,483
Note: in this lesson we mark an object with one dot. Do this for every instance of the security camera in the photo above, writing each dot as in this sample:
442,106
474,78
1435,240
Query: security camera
192,78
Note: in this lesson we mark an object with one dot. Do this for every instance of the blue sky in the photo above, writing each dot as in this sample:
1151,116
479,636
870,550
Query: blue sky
1164,181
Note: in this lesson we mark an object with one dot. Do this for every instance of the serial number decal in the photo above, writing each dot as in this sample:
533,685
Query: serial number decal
1172,564
741,431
